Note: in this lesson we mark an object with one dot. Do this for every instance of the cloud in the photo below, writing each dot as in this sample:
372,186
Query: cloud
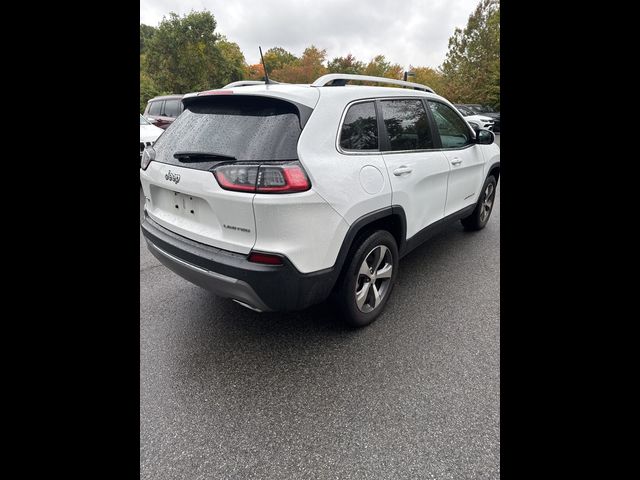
407,32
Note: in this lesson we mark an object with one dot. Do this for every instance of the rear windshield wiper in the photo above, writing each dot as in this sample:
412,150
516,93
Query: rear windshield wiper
188,157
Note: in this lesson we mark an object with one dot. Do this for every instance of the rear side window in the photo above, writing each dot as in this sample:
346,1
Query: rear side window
360,128
406,124
172,108
454,131
231,127
154,108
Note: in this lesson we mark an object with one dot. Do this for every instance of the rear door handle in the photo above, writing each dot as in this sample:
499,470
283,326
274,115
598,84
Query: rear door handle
402,170
456,161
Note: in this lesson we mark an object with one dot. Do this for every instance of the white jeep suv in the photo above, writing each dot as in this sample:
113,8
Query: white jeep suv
278,195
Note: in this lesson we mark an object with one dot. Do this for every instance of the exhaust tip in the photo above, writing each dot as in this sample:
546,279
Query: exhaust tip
246,305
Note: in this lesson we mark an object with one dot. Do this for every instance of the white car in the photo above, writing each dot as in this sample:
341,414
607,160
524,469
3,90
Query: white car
149,133
278,195
476,121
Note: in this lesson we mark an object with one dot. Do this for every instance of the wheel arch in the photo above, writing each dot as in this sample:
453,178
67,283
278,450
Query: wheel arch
494,170
392,219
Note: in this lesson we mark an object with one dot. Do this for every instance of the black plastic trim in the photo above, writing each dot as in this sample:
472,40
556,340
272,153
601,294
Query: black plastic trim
280,287
493,165
429,231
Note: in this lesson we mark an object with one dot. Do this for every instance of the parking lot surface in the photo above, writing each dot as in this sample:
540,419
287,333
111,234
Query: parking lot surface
229,393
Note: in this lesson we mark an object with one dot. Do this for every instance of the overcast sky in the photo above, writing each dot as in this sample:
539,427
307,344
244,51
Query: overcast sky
405,31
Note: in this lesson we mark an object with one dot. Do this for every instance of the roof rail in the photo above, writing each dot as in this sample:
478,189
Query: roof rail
339,79
244,83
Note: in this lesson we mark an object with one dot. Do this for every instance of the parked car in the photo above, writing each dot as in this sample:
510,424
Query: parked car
476,121
487,112
278,196
148,134
162,111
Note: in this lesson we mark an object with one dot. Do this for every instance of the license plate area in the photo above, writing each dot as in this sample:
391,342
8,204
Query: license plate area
184,204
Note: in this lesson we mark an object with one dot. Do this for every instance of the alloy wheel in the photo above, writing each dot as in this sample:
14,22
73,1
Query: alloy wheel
374,278
487,203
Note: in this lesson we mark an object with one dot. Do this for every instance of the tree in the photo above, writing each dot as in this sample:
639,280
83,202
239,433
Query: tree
233,64
254,72
148,90
309,67
472,65
186,54
347,64
146,32
427,76
277,58
379,67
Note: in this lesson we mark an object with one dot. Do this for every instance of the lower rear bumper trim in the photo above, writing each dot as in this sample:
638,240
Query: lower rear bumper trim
217,283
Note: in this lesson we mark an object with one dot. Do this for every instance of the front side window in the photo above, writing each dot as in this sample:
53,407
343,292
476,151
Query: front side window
454,131
154,108
360,128
172,108
406,124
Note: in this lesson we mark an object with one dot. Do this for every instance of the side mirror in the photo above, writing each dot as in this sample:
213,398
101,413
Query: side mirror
485,137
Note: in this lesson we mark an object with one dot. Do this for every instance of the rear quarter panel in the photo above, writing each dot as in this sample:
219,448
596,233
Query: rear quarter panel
340,178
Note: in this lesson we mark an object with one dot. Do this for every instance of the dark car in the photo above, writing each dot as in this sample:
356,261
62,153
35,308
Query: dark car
487,111
162,111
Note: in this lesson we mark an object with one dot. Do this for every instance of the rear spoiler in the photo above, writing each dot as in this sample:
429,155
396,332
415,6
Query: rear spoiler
304,111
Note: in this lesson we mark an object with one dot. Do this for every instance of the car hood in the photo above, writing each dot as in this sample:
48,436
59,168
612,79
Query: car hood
478,118
149,133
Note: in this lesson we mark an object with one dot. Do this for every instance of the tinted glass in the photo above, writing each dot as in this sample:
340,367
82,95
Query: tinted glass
154,108
172,108
407,125
360,128
241,128
453,130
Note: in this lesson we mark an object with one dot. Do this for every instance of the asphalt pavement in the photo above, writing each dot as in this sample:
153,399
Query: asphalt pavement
229,393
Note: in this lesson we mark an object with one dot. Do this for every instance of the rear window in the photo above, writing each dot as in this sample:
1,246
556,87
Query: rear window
360,128
154,108
244,128
172,108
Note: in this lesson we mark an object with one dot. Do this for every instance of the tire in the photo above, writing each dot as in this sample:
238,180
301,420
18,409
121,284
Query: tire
480,215
356,301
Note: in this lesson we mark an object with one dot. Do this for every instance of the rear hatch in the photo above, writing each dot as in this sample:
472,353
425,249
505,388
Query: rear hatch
216,132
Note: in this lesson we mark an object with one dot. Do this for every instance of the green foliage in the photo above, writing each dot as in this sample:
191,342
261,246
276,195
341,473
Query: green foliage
305,70
380,67
472,66
278,58
148,90
347,64
232,67
429,77
146,32
186,54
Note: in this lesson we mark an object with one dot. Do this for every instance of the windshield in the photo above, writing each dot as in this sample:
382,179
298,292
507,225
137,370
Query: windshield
143,121
235,127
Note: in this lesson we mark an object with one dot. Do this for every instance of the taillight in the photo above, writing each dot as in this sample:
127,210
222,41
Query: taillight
286,177
148,155
265,258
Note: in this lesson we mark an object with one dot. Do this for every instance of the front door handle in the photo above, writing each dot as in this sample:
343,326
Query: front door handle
456,161
402,170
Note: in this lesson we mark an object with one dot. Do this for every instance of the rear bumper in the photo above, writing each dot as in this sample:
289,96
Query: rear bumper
231,275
